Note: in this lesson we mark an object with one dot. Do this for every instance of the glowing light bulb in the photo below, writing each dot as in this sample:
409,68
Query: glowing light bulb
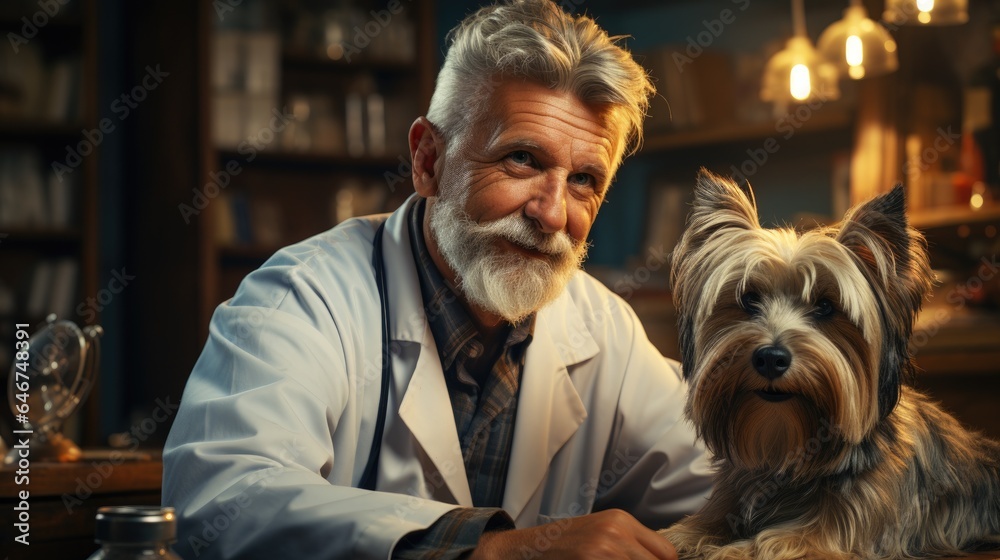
925,7
854,52
800,82
976,201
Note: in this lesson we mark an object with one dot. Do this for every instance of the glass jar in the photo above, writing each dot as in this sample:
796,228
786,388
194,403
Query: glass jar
134,532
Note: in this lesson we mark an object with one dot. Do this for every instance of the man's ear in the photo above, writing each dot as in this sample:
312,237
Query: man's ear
427,153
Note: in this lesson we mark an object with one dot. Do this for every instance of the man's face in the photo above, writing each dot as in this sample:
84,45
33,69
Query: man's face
519,193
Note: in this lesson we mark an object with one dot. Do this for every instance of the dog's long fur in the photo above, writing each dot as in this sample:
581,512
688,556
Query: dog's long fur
836,457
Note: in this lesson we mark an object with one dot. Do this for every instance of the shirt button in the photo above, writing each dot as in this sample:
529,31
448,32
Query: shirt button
475,349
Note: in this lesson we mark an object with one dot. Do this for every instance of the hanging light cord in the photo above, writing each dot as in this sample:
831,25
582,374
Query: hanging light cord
798,18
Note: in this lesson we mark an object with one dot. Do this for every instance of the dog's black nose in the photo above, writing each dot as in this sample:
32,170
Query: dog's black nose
771,361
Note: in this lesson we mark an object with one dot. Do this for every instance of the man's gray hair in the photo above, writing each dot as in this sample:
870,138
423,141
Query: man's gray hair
537,41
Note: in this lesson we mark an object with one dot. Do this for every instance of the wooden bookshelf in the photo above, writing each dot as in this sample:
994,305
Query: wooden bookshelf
72,33
729,133
300,185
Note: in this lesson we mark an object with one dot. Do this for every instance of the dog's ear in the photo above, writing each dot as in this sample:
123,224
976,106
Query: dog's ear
720,202
878,228
893,258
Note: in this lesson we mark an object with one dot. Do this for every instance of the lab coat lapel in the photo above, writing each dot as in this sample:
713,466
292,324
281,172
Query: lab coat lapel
426,407
549,409
426,410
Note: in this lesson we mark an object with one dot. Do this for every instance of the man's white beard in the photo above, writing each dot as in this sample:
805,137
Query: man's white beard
510,285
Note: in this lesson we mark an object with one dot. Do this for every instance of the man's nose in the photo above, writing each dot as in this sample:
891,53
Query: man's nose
547,206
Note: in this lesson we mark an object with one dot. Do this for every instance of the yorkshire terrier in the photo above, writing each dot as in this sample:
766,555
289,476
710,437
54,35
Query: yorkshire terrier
795,350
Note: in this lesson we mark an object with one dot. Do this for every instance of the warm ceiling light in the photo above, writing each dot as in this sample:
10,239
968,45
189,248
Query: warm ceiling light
858,46
798,74
926,12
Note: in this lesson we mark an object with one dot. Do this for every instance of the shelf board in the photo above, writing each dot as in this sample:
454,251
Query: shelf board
39,239
308,61
738,132
12,23
32,130
311,159
953,216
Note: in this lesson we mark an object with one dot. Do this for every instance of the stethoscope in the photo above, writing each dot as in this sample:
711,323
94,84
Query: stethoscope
369,477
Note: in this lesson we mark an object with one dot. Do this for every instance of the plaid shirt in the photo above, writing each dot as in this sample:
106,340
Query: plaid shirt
483,392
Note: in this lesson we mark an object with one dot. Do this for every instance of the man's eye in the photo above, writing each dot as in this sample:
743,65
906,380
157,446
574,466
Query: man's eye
520,157
582,179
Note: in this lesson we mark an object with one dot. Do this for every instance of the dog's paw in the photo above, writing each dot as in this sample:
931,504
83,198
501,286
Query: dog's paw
692,543
684,540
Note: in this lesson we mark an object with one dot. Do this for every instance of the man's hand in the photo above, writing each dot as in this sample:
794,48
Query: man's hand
604,535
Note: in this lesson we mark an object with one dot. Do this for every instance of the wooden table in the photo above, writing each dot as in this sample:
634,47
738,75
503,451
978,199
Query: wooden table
63,500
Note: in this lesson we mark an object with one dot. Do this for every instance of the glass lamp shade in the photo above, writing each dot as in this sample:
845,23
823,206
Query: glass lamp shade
858,46
926,12
798,74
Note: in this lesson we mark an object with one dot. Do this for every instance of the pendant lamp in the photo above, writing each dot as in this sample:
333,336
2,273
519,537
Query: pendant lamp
926,12
798,73
858,46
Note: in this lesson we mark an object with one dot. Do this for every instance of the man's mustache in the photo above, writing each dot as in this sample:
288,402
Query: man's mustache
521,231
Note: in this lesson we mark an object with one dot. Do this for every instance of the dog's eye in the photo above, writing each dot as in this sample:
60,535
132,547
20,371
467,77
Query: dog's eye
750,302
824,308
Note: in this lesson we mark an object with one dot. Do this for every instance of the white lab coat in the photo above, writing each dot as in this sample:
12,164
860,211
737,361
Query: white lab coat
277,418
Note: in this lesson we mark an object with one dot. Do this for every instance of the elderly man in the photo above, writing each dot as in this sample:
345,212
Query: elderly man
447,382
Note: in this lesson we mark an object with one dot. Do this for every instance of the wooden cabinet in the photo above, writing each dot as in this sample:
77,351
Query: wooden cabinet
64,498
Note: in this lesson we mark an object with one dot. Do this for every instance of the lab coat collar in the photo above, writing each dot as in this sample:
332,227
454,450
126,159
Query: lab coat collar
549,408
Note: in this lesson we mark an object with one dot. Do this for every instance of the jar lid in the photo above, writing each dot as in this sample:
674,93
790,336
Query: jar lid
135,524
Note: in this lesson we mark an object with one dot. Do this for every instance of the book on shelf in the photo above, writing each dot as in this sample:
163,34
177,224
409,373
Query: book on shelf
63,90
52,287
33,89
240,219
668,204
268,229
64,286
240,207
246,79
221,215
32,197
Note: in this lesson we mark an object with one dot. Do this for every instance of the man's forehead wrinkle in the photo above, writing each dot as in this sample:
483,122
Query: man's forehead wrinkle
516,131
